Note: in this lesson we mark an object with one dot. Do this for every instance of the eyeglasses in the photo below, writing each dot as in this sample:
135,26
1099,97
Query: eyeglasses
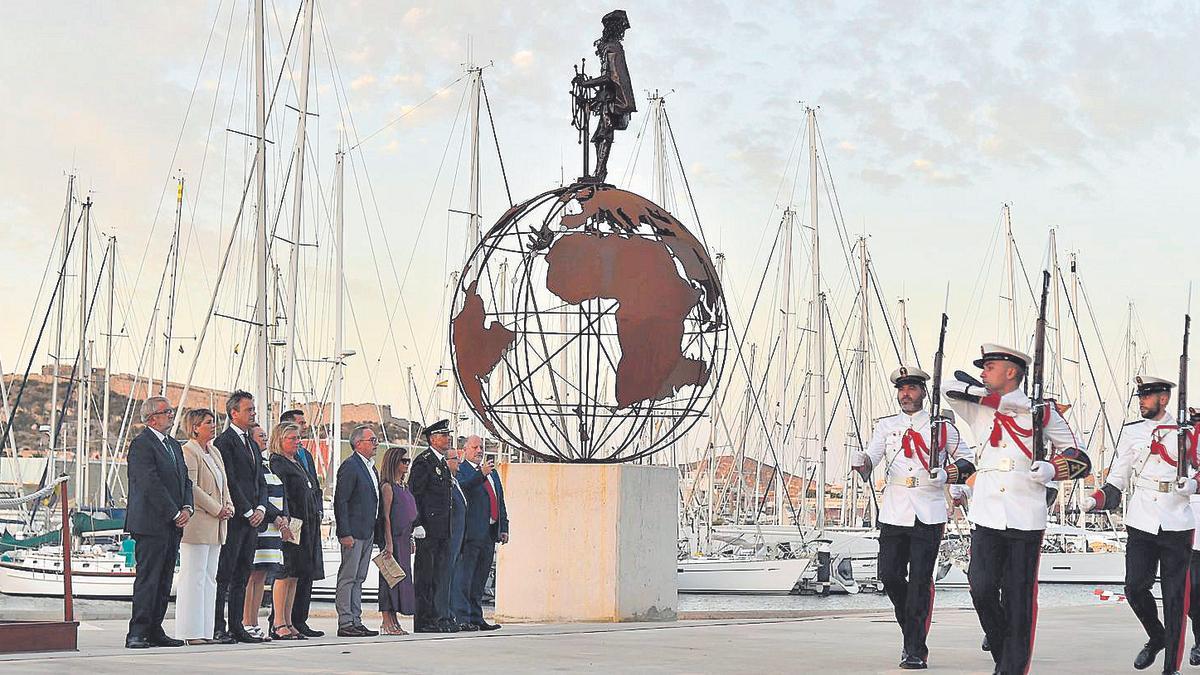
165,411
372,441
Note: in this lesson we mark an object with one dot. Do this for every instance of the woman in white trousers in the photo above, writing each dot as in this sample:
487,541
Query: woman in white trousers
196,592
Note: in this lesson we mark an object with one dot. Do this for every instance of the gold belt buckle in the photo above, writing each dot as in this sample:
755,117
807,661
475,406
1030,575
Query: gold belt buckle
910,481
1165,486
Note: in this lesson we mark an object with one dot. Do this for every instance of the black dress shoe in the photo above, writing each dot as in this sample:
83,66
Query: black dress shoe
223,637
1147,656
485,626
164,641
136,642
309,632
351,631
911,662
1194,656
985,646
243,636
447,627
428,628
366,632
467,627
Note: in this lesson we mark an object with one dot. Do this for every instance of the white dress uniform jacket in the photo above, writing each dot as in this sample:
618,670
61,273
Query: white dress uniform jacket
1005,494
901,444
1146,463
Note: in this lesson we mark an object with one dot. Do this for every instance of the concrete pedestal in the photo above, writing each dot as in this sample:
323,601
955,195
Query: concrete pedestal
590,542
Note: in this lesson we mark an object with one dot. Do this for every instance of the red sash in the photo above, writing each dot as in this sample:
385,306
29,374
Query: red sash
913,441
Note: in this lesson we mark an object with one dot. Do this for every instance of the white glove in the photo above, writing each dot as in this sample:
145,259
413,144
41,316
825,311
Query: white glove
1089,503
1185,487
938,477
858,458
1042,472
419,532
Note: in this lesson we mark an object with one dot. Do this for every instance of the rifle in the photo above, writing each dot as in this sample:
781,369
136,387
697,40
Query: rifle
1184,418
1037,379
936,421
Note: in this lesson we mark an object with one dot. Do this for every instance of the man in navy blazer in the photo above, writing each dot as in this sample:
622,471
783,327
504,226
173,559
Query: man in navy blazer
248,489
487,524
356,515
160,504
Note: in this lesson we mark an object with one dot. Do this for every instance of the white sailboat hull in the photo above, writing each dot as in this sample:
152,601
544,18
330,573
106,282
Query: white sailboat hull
39,574
762,577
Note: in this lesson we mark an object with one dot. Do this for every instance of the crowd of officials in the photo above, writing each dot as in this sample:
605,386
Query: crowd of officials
238,510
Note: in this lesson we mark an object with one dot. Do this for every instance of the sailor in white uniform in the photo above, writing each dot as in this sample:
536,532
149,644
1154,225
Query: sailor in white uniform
1008,506
1194,576
1158,521
913,510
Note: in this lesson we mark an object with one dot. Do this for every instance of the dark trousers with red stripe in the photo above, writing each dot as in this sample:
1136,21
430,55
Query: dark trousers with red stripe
1169,554
1003,577
1194,596
906,559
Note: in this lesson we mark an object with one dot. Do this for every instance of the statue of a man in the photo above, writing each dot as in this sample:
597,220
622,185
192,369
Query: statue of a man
613,101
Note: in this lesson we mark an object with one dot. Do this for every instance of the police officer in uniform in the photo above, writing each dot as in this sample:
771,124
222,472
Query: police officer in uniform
1158,521
429,482
1008,506
913,510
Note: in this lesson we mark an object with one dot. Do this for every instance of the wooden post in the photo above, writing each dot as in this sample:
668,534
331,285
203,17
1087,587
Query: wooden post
68,601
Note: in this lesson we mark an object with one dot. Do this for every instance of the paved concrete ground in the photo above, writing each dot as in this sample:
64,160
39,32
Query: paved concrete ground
1100,638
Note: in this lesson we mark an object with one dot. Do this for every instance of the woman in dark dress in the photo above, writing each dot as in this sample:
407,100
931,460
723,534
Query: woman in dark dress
399,511
298,556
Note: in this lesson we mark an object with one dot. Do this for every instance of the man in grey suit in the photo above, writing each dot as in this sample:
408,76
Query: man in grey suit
356,512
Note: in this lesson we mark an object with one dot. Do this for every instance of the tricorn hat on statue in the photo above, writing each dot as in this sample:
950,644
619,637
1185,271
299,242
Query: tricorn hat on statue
908,375
994,352
617,16
438,427
1152,385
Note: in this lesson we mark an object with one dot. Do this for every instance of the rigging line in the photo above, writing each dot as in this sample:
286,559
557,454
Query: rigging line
370,371
980,279
853,424
1118,389
408,112
495,137
1084,351
636,153
839,218
179,140
687,187
16,406
58,231
886,320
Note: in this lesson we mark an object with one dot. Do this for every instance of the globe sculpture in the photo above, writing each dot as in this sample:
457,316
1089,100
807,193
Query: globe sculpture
588,326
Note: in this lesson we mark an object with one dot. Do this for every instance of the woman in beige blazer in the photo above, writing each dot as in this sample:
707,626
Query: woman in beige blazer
200,550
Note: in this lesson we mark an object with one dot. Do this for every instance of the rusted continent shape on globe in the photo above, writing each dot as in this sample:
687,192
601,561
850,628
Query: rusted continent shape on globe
653,303
477,349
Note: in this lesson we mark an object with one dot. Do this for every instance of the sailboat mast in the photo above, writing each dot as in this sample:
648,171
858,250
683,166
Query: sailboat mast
782,353
81,368
903,331
660,151
339,347
297,207
1010,265
262,367
170,324
60,299
474,221
108,349
819,319
862,394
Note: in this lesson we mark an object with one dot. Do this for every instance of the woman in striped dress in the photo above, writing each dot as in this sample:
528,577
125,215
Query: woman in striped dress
268,557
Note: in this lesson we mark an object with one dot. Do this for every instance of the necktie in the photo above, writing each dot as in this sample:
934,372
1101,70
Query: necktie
487,485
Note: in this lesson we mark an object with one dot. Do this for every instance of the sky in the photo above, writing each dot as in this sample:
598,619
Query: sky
1080,115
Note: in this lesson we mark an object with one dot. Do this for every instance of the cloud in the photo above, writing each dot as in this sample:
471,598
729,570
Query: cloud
414,15
362,82
522,59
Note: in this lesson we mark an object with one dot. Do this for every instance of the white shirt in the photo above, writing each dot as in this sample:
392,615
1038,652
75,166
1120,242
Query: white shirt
1007,499
1150,510
245,436
371,473
902,505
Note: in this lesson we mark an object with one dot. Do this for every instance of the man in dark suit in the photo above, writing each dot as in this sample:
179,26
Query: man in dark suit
248,489
429,482
160,504
487,524
458,528
300,606
356,513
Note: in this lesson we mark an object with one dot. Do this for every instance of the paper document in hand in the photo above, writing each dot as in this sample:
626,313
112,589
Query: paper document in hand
294,525
389,568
